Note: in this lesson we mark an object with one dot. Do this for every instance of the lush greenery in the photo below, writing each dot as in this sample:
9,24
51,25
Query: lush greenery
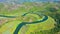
50,9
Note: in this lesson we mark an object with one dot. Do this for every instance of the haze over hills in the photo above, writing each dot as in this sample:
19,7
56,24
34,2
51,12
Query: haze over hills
22,1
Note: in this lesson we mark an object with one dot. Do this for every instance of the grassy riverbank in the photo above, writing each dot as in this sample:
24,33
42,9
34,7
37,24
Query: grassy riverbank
49,9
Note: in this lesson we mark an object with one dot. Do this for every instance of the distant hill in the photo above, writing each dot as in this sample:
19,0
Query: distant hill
22,1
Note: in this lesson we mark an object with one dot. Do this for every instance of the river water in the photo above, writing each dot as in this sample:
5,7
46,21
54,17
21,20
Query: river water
24,23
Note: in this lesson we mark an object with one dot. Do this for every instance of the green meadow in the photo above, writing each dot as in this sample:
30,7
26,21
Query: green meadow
50,26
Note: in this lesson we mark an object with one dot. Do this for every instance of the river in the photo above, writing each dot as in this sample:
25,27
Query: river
24,23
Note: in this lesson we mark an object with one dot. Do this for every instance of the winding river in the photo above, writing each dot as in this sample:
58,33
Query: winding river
24,23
